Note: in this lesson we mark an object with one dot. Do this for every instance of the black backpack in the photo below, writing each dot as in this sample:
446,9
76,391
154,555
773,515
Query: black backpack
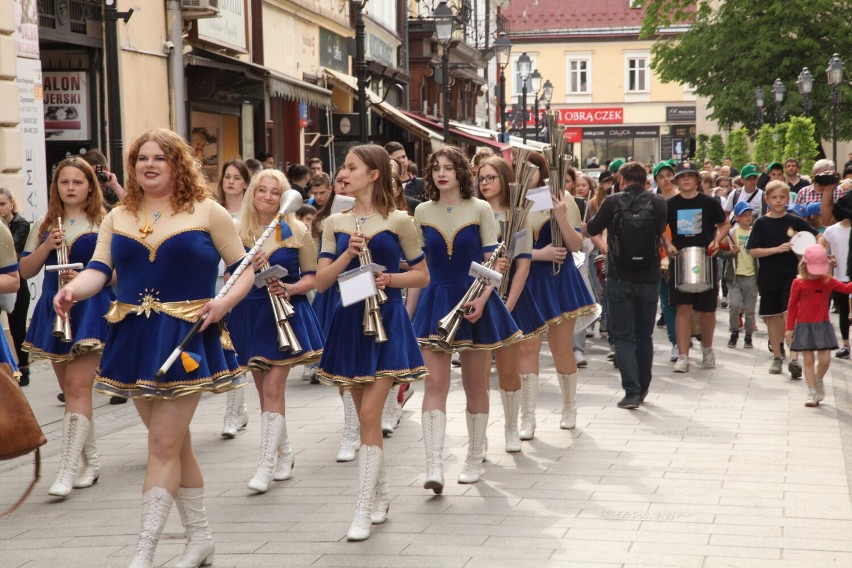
635,238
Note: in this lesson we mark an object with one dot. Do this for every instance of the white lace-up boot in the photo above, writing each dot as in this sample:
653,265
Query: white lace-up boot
351,439
434,424
370,463
389,413
271,426
75,429
529,393
199,542
156,506
236,413
90,469
472,469
568,386
511,406
286,459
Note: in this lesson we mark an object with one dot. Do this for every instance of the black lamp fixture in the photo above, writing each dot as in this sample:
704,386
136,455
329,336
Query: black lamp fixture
524,68
778,89
834,74
444,19
758,104
503,49
547,93
361,66
805,83
535,86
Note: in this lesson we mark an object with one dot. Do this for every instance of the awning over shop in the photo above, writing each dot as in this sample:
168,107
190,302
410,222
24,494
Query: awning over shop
280,85
461,132
514,141
385,109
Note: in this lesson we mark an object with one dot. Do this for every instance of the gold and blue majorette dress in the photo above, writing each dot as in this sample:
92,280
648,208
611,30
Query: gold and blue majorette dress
453,237
252,323
351,358
88,326
164,277
8,263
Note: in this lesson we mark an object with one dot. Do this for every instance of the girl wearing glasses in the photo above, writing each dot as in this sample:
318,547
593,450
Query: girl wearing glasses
457,228
562,297
495,175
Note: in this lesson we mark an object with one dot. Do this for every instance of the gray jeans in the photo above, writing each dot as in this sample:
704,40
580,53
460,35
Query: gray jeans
742,297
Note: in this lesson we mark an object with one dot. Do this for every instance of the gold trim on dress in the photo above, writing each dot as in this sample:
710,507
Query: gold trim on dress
222,381
399,376
152,249
452,241
186,310
80,348
434,343
263,364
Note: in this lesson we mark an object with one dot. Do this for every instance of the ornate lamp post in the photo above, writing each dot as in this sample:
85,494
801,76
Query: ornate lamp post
535,86
444,18
805,82
778,89
503,49
758,103
834,73
524,64
361,65
547,93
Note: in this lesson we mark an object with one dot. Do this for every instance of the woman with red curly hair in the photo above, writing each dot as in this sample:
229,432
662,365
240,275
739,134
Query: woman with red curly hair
164,243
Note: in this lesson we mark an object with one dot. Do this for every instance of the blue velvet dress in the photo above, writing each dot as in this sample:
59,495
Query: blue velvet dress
351,358
558,296
452,240
325,304
8,263
88,326
252,323
162,283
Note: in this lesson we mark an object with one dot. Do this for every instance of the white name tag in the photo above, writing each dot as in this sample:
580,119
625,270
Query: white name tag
359,284
519,243
342,203
477,271
273,272
541,198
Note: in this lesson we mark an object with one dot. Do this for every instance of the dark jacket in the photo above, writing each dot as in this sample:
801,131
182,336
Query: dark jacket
20,229
414,188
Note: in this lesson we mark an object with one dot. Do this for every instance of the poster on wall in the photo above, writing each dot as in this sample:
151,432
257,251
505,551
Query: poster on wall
26,28
205,142
66,105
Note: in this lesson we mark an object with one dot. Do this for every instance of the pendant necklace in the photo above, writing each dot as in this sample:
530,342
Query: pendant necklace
148,229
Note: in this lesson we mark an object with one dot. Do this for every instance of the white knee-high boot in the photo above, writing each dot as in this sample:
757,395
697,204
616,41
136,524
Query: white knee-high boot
236,413
568,386
286,459
511,405
271,428
370,463
351,439
199,542
434,424
381,503
75,429
529,393
156,506
389,413
472,469
90,469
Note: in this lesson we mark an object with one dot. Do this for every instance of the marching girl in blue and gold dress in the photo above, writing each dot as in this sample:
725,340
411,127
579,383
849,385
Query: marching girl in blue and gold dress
164,242
255,329
561,297
10,281
74,213
495,175
457,229
351,358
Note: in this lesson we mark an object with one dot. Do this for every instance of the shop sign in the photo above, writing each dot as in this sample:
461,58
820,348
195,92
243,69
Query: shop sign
573,135
334,51
622,132
380,51
228,29
66,105
680,114
685,131
609,115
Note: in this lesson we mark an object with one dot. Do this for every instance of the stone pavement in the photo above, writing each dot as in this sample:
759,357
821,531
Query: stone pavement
721,467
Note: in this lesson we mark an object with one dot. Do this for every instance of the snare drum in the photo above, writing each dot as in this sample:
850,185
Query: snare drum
694,270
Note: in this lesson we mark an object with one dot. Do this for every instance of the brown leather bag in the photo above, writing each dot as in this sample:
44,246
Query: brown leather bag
20,433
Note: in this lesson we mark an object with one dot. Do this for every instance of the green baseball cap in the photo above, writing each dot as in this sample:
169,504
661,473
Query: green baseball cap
615,164
774,165
662,166
748,171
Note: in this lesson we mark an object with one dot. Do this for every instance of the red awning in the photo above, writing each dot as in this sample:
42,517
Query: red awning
504,150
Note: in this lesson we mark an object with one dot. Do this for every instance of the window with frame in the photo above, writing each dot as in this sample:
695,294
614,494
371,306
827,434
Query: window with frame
637,75
578,76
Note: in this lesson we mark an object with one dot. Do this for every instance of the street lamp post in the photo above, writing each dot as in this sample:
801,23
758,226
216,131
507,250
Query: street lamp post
778,89
503,49
547,94
444,16
758,103
535,86
361,66
834,73
805,82
524,64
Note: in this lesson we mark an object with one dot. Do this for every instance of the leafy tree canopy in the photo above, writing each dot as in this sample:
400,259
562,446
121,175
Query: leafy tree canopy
729,51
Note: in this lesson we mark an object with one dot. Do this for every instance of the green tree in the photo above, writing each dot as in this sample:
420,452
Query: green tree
780,140
764,148
701,147
717,149
737,148
730,48
801,143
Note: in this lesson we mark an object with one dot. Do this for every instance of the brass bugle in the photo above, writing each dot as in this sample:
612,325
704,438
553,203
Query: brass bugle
372,322
283,311
62,327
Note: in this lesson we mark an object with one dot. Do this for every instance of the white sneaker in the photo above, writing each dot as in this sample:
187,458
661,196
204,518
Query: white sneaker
581,359
673,357
813,399
708,358
682,364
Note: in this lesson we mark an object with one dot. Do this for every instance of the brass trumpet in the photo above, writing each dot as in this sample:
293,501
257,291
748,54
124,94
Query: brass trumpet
373,323
449,325
283,311
62,327
557,164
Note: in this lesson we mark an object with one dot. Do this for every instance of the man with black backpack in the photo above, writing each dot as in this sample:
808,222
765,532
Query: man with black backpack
634,220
